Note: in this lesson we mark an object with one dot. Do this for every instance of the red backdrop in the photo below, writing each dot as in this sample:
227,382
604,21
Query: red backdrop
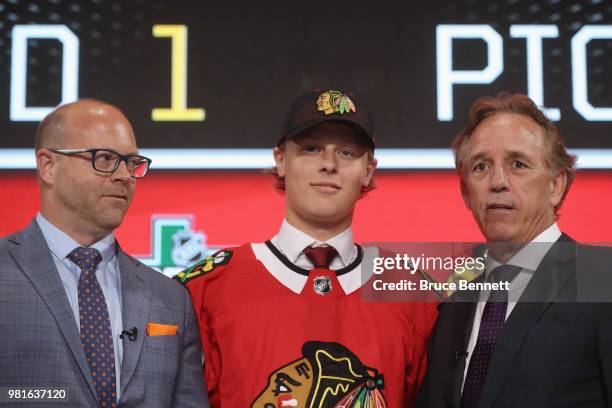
234,207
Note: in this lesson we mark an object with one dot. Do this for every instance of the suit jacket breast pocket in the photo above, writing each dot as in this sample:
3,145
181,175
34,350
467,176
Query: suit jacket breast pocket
161,357
169,343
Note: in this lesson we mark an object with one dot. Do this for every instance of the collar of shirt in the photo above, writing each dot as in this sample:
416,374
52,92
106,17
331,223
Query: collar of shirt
530,256
350,281
291,242
61,244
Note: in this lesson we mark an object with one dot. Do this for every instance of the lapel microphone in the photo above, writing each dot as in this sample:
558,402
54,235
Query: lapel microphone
132,334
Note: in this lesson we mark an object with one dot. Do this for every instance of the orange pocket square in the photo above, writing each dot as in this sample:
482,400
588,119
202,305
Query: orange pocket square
159,329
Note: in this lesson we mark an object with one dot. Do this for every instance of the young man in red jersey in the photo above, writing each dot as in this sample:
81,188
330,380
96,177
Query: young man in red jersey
282,322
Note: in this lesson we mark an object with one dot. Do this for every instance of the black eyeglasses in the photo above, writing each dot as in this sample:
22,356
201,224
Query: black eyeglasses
107,161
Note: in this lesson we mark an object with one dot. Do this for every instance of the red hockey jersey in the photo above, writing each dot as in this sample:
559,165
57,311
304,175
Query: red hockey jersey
267,346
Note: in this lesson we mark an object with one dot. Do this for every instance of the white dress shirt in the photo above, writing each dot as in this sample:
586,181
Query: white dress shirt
291,242
108,275
528,258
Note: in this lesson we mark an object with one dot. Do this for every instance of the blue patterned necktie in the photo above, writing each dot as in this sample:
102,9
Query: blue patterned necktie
491,324
96,334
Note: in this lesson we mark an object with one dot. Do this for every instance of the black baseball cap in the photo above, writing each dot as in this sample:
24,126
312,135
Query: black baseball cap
327,105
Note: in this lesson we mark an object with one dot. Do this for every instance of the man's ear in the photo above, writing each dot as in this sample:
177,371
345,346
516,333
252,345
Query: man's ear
279,158
46,164
558,184
372,163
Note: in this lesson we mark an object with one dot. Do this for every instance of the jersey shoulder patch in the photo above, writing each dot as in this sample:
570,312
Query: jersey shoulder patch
205,266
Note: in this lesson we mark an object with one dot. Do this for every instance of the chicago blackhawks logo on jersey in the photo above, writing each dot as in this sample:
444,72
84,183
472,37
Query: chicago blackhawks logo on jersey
205,266
328,375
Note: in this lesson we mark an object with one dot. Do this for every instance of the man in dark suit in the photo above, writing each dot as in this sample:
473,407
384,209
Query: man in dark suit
84,324
547,340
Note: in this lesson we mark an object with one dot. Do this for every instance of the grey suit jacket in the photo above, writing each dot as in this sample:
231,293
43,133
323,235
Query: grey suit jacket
40,344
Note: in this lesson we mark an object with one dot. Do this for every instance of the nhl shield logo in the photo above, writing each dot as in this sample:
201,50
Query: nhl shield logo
188,248
322,285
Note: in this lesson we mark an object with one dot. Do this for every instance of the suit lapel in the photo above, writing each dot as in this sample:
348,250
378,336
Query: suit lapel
33,257
463,317
465,308
136,295
546,283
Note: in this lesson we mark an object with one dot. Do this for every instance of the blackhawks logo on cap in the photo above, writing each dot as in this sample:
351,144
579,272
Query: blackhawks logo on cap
335,102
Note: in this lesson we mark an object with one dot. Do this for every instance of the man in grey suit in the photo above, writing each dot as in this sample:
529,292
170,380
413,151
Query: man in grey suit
83,323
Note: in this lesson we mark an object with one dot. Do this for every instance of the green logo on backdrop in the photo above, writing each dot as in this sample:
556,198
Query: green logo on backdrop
174,245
